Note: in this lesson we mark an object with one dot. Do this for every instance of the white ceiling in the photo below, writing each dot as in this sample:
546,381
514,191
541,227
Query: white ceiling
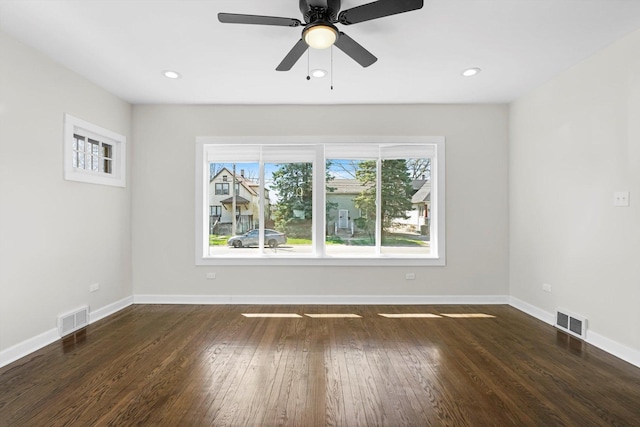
124,45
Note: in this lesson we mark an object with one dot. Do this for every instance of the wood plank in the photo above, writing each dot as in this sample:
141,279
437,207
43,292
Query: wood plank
208,365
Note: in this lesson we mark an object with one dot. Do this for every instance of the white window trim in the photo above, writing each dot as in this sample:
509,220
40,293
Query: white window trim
74,125
438,239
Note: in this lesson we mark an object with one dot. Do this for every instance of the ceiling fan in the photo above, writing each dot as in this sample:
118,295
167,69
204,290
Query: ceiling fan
319,30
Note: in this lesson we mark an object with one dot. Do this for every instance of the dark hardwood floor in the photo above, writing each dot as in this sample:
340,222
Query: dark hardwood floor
170,365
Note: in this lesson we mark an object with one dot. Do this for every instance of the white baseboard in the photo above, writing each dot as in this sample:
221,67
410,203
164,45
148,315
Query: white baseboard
31,345
603,343
108,310
532,310
321,299
615,348
28,346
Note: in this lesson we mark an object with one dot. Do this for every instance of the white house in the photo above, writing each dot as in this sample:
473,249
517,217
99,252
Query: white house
247,200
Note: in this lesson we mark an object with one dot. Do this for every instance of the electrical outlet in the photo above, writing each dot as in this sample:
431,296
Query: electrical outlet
621,199
546,287
211,276
94,287
410,276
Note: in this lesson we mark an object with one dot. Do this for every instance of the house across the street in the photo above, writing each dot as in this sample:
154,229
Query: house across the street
247,200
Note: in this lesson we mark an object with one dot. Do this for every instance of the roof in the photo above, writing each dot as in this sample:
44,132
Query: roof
423,194
239,201
239,179
345,186
417,184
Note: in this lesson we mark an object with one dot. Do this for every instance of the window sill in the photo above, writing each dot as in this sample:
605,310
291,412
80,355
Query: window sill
265,260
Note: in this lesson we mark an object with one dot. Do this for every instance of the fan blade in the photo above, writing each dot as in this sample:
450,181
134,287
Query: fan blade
235,18
293,56
359,54
378,9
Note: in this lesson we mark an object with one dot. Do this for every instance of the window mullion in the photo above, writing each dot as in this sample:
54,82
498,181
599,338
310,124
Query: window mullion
378,205
261,207
319,203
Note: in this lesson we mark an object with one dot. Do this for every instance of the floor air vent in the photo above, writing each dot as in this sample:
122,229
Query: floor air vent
571,323
73,321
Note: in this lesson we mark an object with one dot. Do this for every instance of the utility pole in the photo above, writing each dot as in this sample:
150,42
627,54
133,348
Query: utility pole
233,202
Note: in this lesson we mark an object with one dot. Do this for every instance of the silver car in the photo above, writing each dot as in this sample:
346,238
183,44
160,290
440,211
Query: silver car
272,238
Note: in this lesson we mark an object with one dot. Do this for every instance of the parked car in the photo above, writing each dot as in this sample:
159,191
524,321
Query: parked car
272,238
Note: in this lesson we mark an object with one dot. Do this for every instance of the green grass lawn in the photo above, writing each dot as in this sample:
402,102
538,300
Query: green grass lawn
218,240
298,241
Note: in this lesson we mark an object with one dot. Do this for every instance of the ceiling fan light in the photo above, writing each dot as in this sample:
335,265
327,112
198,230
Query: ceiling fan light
320,36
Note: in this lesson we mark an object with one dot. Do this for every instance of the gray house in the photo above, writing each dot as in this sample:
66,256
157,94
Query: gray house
342,217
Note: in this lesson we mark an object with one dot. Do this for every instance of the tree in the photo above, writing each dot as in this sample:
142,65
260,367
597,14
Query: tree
293,184
215,169
419,168
395,191
329,206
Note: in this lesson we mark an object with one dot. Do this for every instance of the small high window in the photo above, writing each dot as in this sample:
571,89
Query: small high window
93,154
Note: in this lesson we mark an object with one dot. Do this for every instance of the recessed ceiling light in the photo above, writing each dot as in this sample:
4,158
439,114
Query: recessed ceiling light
470,72
171,74
318,73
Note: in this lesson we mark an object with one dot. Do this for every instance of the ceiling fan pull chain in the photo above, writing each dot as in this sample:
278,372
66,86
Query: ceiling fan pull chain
331,67
308,72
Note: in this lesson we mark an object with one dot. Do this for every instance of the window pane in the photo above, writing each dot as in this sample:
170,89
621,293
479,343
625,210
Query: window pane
350,206
107,166
290,189
405,196
107,151
223,238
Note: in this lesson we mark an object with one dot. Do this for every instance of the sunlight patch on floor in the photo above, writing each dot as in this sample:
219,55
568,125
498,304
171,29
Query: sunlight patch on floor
333,315
408,315
271,315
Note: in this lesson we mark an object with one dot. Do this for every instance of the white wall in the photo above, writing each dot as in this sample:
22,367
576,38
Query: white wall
163,199
56,237
573,142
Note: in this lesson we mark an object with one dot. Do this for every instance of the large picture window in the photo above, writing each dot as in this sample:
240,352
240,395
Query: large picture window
333,201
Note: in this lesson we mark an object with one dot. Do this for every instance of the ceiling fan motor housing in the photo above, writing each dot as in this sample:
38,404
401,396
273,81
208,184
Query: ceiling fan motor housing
319,10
